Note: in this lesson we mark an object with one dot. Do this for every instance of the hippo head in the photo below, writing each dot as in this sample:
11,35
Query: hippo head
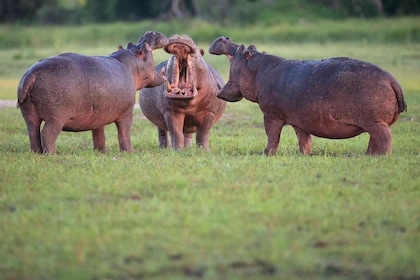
184,67
223,45
143,67
241,79
155,40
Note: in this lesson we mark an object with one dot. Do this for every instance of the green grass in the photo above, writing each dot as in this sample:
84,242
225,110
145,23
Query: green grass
230,213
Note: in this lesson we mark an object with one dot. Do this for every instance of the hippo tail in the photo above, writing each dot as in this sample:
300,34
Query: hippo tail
24,87
402,106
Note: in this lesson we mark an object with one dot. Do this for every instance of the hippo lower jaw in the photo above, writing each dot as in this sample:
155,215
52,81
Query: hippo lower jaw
229,97
180,93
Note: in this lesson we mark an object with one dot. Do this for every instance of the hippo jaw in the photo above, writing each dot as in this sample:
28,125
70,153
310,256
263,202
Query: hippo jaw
181,79
223,45
229,94
180,82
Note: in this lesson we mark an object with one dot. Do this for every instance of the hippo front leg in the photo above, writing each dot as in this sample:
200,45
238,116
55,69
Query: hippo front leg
203,131
273,129
175,125
98,136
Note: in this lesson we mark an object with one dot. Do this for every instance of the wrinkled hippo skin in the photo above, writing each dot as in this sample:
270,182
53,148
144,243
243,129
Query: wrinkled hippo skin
187,103
332,98
73,92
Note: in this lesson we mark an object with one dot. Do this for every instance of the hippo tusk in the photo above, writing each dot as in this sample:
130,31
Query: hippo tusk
168,85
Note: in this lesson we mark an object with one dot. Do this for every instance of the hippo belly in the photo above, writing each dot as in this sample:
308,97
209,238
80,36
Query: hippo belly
325,125
151,105
334,131
91,119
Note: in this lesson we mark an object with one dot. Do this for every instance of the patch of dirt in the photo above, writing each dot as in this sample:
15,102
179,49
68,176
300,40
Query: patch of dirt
8,103
12,104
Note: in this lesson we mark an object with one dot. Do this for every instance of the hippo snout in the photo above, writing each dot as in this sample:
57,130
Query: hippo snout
229,97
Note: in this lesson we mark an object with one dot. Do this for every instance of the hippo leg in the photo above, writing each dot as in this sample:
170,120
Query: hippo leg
33,125
273,129
163,138
35,137
203,131
305,141
124,127
50,131
380,142
188,139
98,136
175,125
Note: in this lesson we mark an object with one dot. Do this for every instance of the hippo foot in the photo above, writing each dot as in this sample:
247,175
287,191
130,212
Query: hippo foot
181,93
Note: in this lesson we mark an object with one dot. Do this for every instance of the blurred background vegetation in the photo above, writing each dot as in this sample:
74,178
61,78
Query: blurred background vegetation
223,12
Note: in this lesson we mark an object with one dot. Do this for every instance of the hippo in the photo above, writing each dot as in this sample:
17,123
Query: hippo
187,102
74,92
333,98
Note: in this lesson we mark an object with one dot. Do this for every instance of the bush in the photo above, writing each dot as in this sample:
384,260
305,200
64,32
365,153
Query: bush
58,15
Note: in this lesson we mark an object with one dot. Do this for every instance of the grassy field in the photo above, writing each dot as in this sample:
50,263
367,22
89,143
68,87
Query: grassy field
230,213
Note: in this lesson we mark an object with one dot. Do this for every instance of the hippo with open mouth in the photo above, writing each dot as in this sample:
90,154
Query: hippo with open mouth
187,102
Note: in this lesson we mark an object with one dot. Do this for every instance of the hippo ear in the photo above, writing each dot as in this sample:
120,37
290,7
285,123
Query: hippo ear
138,50
244,52
120,47
146,46
248,55
202,52
252,48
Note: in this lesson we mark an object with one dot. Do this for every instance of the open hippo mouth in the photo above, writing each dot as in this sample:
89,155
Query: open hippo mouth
180,75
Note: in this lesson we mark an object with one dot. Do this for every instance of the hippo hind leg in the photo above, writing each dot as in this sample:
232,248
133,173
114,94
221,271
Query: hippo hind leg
203,131
380,142
33,127
305,141
163,138
124,127
50,132
188,139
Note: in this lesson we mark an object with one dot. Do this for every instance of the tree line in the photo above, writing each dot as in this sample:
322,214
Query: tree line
223,11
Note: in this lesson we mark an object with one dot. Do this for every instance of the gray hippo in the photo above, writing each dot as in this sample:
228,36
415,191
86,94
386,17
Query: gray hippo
187,103
73,92
332,98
